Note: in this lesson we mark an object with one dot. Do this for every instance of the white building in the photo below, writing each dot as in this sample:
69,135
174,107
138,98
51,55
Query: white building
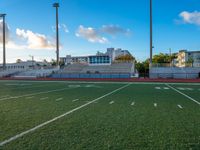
114,53
186,58
100,58
24,65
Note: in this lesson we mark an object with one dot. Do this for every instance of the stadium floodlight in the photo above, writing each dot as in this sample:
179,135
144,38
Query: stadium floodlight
56,5
151,33
4,41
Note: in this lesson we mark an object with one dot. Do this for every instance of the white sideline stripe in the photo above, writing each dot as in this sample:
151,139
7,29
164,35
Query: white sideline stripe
109,82
192,99
4,96
112,102
75,100
155,104
133,103
58,117
45,92
29,97
180,106
59,99
44,98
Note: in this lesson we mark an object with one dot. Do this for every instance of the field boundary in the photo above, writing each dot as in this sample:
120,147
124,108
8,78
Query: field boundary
59,117
109,80
192,99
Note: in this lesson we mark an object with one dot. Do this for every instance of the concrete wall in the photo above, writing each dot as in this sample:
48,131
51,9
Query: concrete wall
174,72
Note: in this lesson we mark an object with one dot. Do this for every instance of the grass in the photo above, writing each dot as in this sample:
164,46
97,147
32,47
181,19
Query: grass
100,125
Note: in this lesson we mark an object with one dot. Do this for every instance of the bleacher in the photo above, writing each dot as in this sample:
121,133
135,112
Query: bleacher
35,73
8,73
115,70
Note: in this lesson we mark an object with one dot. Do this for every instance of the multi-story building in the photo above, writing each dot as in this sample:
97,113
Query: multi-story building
24,65
114,53
98,59
185,58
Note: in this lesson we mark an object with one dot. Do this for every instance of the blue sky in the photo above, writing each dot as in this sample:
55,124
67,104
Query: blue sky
88,26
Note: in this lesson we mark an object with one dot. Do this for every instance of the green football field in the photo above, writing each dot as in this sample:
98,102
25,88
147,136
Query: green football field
65,115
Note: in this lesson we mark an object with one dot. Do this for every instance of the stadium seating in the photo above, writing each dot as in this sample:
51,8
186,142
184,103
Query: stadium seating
36,73
115,70
7,73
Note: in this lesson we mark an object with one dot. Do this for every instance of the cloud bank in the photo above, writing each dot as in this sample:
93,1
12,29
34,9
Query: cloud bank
90,34
98,35
190,17
34,40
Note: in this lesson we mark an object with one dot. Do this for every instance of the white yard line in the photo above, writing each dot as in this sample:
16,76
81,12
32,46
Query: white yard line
155,104
112,102
58,117
190,98
180,106
30,97
33,94
4,96
59,99
44,98
75,100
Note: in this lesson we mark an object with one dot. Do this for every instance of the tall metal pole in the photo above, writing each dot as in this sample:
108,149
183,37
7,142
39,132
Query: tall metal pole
4,41
151,33
56,5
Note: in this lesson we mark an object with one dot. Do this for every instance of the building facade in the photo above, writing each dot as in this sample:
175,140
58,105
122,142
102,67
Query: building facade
188,58
99,59
24,65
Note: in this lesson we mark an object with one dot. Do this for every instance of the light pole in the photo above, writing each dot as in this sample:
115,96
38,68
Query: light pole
170,56
151,32
4,41
56,5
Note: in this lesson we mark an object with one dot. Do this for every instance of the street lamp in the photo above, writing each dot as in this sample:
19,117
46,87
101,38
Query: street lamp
4,41
56,5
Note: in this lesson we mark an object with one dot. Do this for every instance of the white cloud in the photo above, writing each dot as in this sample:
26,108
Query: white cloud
114,29
34,40
190,17
90,34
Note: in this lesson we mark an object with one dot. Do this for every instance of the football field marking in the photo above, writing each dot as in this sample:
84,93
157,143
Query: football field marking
75,100
112,102
4,96
59,117
190,98
38,93
44,98
180,106
59,99
30,97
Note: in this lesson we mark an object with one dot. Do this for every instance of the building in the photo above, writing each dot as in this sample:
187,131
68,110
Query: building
114,53
99,59
188,58
24,65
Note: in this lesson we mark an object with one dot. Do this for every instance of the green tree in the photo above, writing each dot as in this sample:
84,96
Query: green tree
125,58
163,58
143,68
190,62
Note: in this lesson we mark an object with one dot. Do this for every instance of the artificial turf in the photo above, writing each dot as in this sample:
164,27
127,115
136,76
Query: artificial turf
131,121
